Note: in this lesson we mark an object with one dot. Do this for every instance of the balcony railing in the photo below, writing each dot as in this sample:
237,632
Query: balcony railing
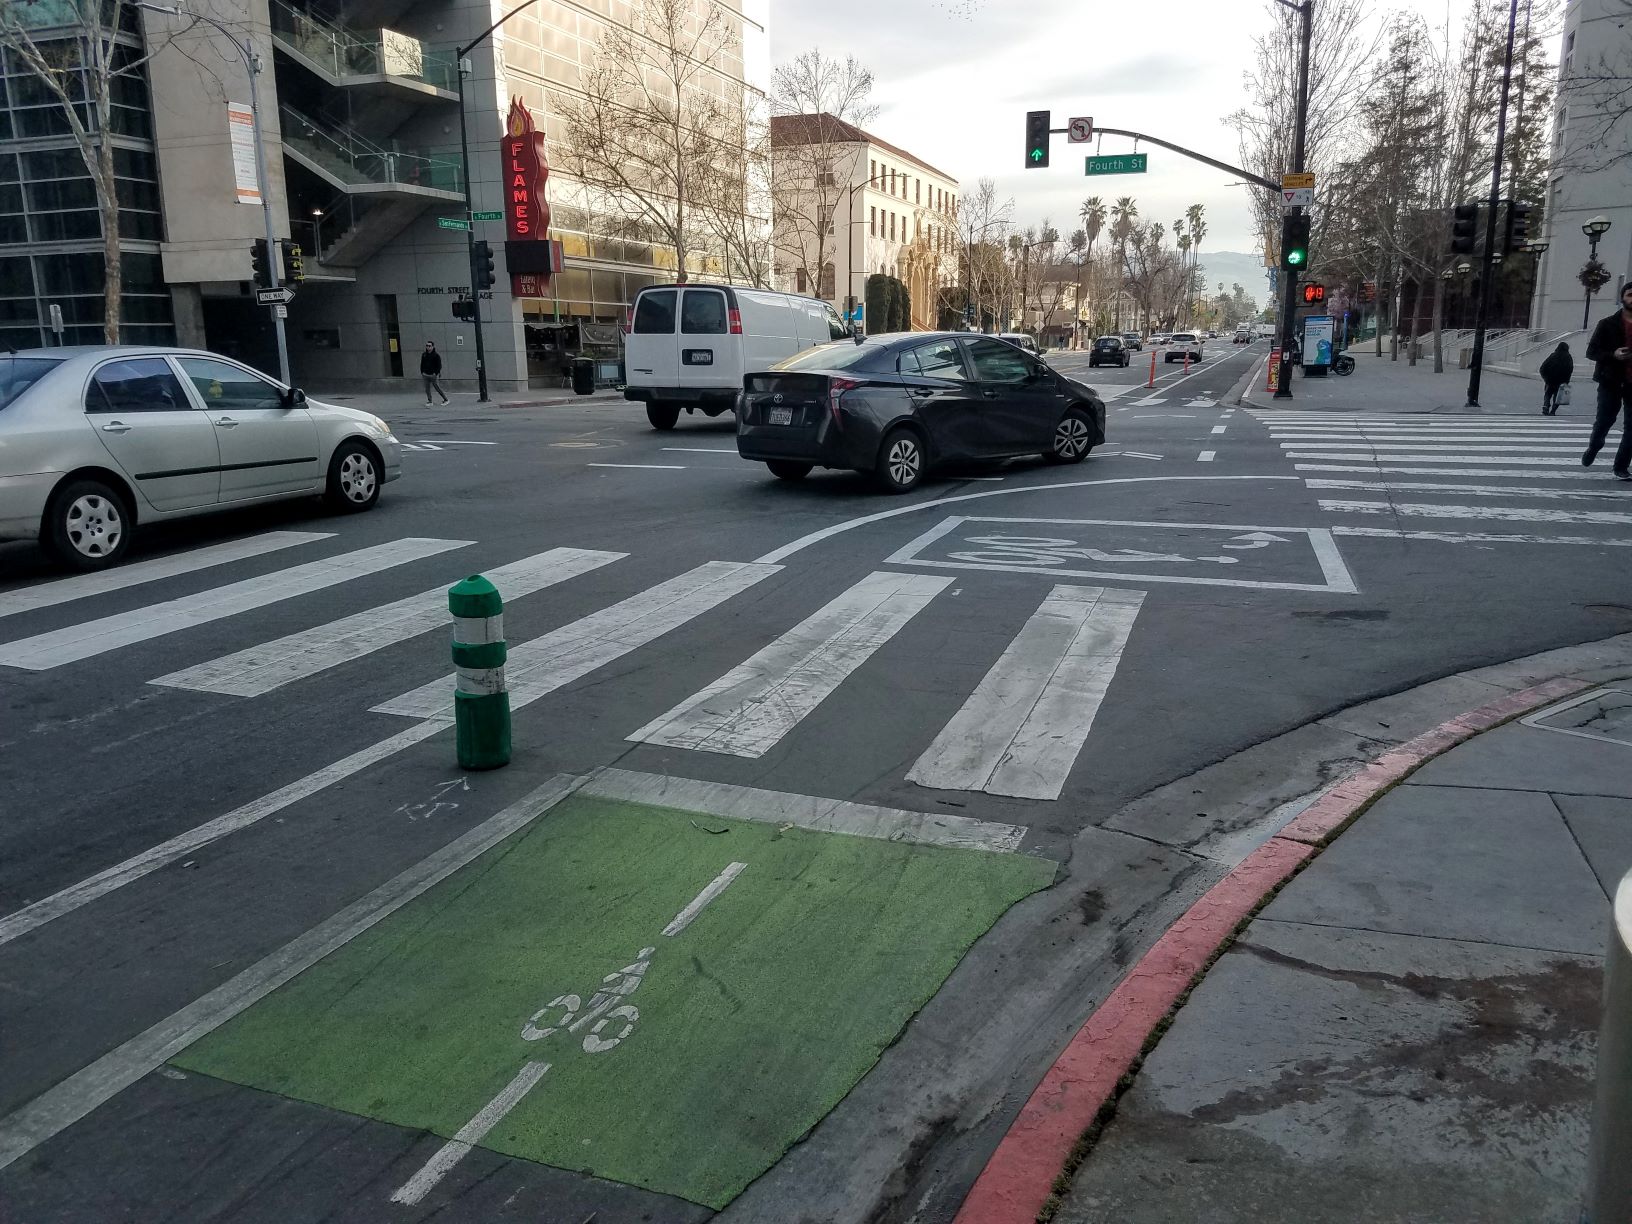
355,160
343,52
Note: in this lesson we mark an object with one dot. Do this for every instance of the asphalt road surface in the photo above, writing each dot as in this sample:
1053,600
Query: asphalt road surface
820,833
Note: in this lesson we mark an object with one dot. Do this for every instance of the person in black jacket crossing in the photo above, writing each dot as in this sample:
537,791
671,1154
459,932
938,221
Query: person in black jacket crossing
1556,372
430,369
1610,349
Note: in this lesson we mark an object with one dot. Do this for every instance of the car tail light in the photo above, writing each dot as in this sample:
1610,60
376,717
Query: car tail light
836,387
629,320
735,317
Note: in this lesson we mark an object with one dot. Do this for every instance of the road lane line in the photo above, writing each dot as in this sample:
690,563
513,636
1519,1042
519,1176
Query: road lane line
647,467
45,910
539,667
807,811
262,668
82,586
747,711
1475,537
703,450
469,1135
1206,456
1507,514
1465,490
700,902
1218,429
76,642
1480,448
58,1108
1020,731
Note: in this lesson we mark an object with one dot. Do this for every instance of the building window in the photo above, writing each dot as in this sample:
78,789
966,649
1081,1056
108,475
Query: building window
872,220
917,191
829,282
803,280
892,227
872,172
1569,50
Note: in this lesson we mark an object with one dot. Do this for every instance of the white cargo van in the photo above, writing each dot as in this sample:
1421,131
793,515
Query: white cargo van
688,346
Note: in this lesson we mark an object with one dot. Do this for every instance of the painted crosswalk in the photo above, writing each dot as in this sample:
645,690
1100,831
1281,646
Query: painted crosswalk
1460,478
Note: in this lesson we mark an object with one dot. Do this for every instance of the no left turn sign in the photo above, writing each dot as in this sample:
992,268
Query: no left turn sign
1081,130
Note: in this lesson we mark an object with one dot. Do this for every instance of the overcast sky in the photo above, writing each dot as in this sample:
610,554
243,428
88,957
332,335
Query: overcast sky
956,77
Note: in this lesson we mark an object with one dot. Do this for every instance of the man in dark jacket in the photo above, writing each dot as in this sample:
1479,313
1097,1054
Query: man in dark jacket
430,369
1555,372
1611,349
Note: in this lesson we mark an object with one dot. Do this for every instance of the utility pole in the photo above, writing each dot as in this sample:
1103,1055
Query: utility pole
1289,291
1487,275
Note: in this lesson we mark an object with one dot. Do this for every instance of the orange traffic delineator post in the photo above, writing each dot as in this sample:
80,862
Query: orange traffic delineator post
1152,381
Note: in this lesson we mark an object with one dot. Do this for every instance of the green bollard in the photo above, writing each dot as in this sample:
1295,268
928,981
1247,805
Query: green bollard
481,700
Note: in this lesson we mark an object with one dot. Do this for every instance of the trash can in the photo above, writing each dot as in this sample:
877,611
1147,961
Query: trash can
583,376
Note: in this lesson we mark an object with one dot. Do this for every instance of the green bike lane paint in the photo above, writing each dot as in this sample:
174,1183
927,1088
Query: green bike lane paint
664,998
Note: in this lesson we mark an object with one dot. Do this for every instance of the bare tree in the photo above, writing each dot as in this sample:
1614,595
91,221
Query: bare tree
820,105
645,129
79,51
983,224
735,202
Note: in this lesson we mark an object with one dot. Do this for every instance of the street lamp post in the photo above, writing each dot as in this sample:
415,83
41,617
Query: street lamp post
1289,291
1595,228
252,66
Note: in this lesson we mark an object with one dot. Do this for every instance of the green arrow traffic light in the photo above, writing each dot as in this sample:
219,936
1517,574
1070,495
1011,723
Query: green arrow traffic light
1036,155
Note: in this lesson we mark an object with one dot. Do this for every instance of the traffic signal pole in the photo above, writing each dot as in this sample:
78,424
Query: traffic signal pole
470,227
1488,265
1289,291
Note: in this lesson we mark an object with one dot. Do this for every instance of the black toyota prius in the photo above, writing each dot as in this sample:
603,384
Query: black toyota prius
898,405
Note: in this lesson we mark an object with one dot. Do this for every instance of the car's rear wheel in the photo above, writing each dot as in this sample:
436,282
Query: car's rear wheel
1073,438
785,469
87,525
354,478
662,416
900,462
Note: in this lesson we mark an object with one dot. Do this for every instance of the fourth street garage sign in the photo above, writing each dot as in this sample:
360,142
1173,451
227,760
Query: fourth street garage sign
1118,163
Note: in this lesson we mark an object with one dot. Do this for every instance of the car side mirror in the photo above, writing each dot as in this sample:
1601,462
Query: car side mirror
294,397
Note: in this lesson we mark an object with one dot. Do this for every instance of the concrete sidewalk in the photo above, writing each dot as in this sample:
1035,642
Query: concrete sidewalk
1407,1031
1379,384
385,403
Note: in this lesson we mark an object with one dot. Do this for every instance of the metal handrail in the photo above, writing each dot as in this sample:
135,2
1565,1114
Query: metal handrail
353,158
344,52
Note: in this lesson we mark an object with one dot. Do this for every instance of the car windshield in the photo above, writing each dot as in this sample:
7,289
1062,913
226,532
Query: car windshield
18,374
842,356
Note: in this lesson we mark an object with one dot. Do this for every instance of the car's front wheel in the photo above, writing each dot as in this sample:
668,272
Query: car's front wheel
87,526
900,462
354,478
785,469
662,416
1073,438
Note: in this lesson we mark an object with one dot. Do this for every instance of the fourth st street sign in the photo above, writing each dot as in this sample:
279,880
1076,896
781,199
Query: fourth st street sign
1118,163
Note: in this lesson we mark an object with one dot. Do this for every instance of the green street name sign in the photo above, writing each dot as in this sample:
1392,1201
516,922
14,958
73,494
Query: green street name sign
1121,163
457,223
488,216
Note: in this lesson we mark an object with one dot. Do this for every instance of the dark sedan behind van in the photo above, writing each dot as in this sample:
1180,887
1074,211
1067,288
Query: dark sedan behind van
898,405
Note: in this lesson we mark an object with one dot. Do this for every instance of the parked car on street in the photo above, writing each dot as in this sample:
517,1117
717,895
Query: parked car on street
1183,344
688,346
99,439
1133,340
1021,341
1108,350
898,405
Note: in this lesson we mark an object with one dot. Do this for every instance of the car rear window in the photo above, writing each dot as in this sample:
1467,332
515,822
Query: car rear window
703,313
843,356
18,374
654,313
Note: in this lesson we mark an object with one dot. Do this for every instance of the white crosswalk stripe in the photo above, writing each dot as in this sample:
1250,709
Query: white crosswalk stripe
261,668
76,642
747,711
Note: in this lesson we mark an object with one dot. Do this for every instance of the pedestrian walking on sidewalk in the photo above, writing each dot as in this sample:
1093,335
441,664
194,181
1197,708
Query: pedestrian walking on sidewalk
430,369
1556,372
1611,350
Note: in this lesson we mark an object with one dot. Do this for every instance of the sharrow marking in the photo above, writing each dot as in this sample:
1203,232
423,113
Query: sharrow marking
747,711
20,922
270,665
81,586
1508,514
807,811
539,667
1023,726
58,1108
1476,537
76,642
469,1135
720,883
1467,490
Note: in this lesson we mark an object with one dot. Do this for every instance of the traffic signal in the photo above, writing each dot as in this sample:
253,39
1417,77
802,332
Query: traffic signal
1037,124
1295,241
1314,294
481,267
464,308
294,262
1518,226
261,264
1464,220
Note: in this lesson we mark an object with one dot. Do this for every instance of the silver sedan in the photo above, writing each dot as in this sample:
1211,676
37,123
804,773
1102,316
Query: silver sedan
94,440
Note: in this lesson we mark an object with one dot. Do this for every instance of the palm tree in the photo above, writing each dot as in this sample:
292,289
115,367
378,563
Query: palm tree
1123,215
1198,230
1093,221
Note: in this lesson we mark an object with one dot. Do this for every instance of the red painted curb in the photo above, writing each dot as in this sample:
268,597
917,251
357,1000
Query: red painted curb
1017,1180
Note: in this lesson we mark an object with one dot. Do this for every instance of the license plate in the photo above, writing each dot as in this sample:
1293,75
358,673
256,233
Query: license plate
781,416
